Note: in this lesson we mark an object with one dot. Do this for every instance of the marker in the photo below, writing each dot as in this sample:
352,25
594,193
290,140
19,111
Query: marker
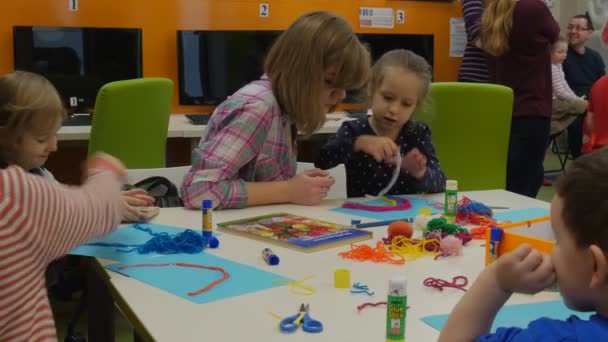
495,237
381,223
269,256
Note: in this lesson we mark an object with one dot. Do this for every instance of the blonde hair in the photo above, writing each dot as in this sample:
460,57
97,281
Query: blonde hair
407,60
560,40
28,103
297,61
496,24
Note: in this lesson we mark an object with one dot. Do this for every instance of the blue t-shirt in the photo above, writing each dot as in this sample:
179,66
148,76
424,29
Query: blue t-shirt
545,329
582,71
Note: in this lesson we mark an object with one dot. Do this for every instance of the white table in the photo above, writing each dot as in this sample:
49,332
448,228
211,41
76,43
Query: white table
180,127
166,317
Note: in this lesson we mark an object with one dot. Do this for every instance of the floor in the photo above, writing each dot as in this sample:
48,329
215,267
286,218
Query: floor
124,332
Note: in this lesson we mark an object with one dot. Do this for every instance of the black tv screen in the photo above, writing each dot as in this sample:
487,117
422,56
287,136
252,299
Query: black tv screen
215,64
421,44
79,60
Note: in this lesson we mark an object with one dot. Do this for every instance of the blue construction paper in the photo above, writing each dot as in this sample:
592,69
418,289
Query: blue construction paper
126,235
519,315
179,281
417,204
517,215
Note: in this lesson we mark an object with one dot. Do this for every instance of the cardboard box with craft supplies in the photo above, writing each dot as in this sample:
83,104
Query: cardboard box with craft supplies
536,232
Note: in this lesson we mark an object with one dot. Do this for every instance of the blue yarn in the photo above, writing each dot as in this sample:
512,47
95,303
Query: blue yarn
475,207
188,241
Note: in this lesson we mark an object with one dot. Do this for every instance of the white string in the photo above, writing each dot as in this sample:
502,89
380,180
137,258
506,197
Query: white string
390,184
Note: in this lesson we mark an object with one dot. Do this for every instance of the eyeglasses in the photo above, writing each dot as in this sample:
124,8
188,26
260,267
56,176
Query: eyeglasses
578,28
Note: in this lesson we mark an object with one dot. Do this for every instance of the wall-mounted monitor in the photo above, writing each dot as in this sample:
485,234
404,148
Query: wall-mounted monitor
79,60
215,64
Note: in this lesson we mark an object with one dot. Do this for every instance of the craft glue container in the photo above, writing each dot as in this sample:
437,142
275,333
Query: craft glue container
207,207
396,306
451,200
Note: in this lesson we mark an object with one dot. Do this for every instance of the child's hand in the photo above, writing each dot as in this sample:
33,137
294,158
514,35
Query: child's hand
414,163
138,198
309,187
524,270
380,148
105,161
132,213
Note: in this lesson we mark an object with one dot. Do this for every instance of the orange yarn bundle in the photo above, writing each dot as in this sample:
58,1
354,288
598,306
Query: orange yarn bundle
378,254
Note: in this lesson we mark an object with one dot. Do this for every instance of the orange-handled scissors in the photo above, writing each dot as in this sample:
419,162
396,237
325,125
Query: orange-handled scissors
291,323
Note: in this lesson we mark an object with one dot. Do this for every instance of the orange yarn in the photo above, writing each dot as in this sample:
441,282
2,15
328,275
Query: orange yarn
378,254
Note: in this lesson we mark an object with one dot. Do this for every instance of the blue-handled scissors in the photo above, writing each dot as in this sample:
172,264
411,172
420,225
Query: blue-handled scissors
291,323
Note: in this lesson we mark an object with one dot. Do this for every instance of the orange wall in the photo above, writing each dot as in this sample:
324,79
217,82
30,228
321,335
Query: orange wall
159,20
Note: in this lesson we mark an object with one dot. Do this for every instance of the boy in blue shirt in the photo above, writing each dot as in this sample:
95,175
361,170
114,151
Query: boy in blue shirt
579,262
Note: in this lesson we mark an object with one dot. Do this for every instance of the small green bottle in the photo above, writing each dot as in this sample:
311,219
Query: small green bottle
396,309
451,200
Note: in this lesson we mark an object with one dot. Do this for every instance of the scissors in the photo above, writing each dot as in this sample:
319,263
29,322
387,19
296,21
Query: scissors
291,323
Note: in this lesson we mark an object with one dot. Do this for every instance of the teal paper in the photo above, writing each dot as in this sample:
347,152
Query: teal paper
517,215
179,281
519,315
126,235
417,204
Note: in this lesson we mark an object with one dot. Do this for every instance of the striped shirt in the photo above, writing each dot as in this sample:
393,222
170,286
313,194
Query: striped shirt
246,140
561,89
474,67
366,176
39,222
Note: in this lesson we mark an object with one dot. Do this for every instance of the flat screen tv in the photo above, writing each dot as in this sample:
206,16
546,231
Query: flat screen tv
215,64
79,60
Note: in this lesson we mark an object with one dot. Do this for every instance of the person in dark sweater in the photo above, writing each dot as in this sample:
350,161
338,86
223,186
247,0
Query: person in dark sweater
368,147
519,35
474,67
583,67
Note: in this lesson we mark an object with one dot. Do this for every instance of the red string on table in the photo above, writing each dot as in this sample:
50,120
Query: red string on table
458,282
225,274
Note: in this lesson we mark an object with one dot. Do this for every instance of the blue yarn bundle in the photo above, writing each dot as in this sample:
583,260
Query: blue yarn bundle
188,241
469,209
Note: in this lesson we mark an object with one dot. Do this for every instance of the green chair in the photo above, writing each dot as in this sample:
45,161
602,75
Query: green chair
131,121
470,123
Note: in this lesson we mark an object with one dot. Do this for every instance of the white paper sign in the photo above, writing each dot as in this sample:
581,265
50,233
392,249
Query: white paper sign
376,17
458,37
264,9
73,5
400,17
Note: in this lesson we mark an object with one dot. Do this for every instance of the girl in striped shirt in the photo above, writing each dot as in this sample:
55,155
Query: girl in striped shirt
39,222
566,104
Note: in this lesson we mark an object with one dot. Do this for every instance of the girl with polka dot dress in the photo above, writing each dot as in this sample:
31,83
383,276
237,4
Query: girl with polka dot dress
368,147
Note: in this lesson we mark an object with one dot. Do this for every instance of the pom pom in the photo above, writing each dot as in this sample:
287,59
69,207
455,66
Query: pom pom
451,245
400,228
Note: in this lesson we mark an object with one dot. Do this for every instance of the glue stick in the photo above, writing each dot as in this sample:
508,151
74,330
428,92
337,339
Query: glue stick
396,307
451,200
207,207
269,256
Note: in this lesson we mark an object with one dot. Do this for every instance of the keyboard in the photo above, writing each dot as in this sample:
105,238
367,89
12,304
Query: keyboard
198,119
356,113
78,120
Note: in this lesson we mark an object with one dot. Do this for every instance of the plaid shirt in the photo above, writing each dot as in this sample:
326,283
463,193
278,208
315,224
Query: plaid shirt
245,141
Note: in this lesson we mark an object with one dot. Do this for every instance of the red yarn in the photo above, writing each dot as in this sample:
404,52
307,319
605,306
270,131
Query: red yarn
458,282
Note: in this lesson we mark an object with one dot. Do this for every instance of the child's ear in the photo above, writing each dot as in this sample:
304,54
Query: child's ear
599,276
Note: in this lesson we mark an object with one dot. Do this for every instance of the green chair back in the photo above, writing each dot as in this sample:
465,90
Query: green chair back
131,121
470,123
